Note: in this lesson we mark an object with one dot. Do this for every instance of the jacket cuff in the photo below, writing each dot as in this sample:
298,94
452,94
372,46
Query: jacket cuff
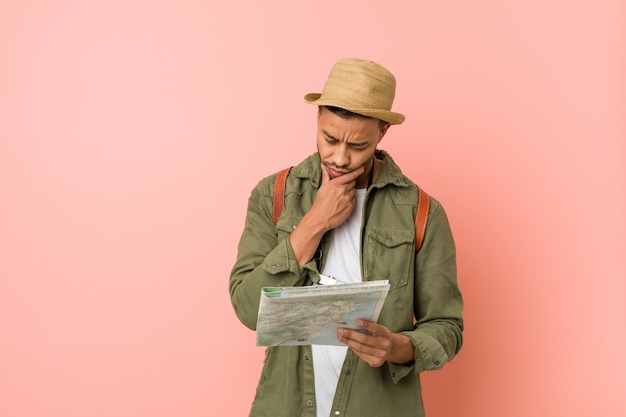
282,259
429,354
397,371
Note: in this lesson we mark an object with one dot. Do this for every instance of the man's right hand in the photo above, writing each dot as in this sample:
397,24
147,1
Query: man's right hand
336,197
334,201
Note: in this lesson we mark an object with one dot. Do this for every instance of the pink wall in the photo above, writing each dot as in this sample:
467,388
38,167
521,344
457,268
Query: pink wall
131,133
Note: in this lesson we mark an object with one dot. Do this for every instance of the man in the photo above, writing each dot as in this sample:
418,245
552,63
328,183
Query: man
349,212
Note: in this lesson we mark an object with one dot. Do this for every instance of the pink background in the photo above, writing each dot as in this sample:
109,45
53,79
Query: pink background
131,133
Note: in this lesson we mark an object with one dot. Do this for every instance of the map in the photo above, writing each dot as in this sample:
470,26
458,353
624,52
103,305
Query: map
290,316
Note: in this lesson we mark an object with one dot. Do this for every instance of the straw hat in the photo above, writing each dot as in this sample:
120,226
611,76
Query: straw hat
362,87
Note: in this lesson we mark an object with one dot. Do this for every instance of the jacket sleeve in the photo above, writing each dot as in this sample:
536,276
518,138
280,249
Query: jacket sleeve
438,304
265,257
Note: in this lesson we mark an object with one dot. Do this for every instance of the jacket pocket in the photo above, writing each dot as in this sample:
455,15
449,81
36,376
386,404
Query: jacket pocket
389,255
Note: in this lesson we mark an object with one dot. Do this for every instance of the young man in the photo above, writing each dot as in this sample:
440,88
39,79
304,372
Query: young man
349,212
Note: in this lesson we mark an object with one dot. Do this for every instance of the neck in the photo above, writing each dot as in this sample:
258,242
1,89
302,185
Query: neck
368,177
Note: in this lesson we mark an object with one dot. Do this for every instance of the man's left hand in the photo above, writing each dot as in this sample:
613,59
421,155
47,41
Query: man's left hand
378,344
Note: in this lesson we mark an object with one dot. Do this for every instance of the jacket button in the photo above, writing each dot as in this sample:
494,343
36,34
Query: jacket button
337,413
309,402
273,266
347,372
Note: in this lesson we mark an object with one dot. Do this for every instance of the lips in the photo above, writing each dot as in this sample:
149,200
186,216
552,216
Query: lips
334,173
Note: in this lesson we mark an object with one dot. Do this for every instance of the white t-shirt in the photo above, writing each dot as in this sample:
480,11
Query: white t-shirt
343,263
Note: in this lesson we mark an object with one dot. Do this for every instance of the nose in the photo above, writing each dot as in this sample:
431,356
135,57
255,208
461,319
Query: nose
341,157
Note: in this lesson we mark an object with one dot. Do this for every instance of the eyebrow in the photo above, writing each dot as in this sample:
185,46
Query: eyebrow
327,134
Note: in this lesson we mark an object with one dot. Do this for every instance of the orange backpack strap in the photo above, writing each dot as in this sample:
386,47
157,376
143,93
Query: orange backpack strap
279,194
421,218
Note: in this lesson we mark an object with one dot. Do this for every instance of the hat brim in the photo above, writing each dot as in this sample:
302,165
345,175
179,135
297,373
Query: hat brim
384,115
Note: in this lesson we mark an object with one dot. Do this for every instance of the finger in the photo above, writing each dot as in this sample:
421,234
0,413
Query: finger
362,341
354,338
325,174
373,328
351,176
374,358
373,361
363,344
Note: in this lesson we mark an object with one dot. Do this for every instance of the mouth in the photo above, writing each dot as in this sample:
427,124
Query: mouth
334,173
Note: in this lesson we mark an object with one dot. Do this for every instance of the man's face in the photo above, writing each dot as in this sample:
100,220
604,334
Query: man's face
346,144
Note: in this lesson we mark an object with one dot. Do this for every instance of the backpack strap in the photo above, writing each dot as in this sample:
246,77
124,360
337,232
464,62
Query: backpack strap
421,218
279,194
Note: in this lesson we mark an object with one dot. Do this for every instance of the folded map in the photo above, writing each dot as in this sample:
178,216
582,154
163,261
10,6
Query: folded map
290,316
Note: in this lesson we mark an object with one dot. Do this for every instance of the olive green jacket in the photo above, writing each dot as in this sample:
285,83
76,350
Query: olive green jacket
423,291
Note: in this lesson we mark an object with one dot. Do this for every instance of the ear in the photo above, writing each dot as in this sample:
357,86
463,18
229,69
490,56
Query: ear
383,130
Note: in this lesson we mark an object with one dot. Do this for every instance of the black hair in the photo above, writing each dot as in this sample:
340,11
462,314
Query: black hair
347,114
